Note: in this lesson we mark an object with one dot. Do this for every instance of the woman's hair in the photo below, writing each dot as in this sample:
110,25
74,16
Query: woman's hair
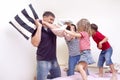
94,27
68,27
84,25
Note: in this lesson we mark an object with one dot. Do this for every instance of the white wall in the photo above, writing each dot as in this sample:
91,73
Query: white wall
17,55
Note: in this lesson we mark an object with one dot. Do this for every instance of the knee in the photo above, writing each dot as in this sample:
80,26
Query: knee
79,67
108,62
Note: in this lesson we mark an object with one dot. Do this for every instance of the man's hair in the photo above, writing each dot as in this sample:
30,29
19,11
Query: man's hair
94,27
48,13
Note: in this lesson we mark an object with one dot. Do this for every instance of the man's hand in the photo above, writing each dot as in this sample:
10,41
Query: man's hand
37,23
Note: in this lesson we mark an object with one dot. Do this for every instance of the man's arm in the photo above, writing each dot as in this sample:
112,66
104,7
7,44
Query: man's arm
36,38
51,26
57,30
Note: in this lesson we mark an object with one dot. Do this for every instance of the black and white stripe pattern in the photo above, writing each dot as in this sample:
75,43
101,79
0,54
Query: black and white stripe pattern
24,21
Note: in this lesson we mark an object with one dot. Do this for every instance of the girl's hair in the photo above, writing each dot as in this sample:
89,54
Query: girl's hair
68,27
85,25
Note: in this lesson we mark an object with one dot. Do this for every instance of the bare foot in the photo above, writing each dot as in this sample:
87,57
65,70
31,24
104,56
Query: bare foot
65,69
100,75
114,78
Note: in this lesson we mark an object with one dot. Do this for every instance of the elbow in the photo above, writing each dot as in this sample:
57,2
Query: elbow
106,38
35,43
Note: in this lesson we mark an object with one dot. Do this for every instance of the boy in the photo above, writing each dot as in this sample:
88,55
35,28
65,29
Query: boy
106,51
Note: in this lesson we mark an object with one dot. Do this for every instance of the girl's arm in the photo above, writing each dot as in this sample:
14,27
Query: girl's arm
75,34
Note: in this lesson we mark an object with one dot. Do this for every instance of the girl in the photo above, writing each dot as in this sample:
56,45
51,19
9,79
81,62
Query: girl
83,34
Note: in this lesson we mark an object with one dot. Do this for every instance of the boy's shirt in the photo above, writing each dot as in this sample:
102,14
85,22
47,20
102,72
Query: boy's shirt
97,37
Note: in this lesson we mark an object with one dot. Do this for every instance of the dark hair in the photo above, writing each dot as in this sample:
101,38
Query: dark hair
68,27
94,27
48,13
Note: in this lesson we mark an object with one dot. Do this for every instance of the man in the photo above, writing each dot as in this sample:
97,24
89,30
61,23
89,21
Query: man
45,41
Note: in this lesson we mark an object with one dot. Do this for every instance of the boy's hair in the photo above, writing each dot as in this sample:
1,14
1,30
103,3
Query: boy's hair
94,27
48,13
68,27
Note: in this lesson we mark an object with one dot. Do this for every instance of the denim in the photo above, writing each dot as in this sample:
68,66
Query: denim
73,60
45,67
86,56
105,56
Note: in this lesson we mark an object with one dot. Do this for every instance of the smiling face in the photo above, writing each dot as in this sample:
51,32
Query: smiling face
49,19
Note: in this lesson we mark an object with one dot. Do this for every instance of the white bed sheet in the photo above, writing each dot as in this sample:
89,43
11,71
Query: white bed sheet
92,76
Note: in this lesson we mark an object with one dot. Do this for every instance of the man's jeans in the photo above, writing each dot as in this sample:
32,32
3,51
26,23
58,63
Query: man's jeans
45,67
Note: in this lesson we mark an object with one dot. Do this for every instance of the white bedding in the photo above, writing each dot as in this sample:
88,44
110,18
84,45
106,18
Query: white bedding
92,76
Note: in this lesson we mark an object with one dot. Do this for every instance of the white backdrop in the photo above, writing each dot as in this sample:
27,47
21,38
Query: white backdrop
17,55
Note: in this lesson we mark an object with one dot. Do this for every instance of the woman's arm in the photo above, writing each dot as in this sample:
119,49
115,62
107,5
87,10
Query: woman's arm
67,36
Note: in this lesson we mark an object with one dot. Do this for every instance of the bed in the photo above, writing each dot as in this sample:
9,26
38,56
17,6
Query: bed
92,76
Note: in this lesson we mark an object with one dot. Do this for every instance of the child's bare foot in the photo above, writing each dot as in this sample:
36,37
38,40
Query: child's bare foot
100,75
114,77
66,69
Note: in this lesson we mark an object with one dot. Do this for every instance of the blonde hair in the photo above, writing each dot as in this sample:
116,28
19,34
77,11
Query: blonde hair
84,25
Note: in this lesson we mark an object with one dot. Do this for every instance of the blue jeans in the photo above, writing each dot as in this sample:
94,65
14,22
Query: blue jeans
73,60
45,67
105,55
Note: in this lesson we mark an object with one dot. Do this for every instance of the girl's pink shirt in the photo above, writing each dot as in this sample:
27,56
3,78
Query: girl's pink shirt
84,41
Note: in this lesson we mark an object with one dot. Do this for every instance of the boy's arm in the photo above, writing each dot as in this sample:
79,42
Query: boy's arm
103,41
36,38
